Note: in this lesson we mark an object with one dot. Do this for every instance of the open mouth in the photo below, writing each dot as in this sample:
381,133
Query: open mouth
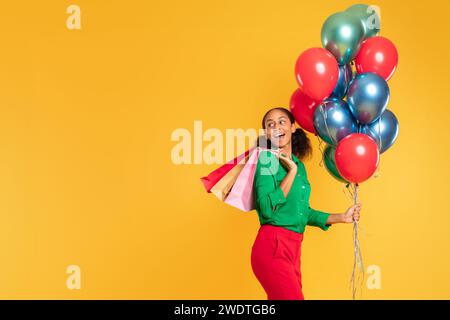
279,135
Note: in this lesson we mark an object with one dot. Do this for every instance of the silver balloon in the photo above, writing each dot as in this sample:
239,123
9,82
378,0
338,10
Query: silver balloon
384,130
333,121
344,78
367,97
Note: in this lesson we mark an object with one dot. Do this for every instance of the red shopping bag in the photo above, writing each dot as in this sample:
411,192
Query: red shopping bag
211,179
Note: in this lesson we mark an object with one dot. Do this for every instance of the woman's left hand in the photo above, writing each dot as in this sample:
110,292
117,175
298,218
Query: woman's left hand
352,213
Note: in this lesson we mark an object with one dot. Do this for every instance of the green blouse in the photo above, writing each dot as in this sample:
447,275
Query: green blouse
292,212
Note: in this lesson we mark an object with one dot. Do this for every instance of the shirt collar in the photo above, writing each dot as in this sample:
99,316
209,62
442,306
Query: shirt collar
295,159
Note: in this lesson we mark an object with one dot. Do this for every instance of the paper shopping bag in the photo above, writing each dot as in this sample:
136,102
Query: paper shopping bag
241,195
211,179
222,188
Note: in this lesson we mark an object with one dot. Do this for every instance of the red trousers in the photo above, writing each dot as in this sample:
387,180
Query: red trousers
275,262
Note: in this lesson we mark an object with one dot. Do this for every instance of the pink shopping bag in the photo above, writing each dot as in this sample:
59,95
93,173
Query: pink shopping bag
211,179
241,195
223,187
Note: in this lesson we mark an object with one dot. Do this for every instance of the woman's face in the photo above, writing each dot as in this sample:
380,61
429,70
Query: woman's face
279,128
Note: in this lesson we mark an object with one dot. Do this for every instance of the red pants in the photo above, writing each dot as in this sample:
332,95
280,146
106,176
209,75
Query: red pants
275,262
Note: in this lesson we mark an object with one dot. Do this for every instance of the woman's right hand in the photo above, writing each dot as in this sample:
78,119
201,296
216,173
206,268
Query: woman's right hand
352,214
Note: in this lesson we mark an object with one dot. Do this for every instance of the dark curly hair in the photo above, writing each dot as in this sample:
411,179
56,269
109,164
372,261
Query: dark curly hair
301,145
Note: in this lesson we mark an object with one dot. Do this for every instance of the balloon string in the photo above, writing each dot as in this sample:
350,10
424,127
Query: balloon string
346,190
357,278
324,114
380,143
377,172
321,149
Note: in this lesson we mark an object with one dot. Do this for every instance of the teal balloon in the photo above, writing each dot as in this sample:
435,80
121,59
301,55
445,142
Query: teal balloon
342,34
330,164
369,18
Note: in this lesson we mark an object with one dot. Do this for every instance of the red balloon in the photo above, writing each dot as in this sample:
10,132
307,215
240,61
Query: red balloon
377,55
317,73
357,157
303,107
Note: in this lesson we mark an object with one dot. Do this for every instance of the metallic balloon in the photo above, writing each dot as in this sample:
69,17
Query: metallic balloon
369,18
342,34
357,157
334,121
330,164
345,76
367,97
384,130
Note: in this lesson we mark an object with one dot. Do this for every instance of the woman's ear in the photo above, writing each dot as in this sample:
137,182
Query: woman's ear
293,128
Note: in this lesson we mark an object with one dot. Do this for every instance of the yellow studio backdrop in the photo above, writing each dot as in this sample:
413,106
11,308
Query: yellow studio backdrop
86,174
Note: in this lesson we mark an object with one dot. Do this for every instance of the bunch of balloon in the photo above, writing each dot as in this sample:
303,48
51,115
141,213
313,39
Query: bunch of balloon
342,98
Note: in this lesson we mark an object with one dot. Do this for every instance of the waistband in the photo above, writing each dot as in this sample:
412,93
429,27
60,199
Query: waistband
271,229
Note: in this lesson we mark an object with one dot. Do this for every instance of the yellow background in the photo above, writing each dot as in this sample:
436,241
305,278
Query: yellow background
87,178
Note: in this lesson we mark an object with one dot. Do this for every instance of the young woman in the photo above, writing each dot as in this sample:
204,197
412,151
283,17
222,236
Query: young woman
282,202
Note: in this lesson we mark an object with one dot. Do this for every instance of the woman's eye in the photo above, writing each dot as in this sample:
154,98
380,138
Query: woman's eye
282,122
270,125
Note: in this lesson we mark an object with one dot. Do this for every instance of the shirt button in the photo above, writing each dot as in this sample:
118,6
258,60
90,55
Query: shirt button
303,187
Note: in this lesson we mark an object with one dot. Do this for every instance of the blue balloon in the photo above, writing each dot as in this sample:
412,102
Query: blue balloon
384,130
333,121
344,78
367,97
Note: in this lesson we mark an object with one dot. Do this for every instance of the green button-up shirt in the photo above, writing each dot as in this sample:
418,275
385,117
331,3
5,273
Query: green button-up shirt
292,212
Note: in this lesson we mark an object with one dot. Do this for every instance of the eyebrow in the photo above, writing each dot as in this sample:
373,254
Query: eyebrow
270,119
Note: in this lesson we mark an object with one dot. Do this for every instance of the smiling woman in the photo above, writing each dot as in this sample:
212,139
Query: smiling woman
282,203
279,126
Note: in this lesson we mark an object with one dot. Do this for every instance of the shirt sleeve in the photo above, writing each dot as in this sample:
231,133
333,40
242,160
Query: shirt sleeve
268,195
318,218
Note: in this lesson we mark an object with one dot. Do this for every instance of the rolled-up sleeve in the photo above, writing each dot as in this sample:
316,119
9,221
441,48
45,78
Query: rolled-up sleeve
317,218
268,195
